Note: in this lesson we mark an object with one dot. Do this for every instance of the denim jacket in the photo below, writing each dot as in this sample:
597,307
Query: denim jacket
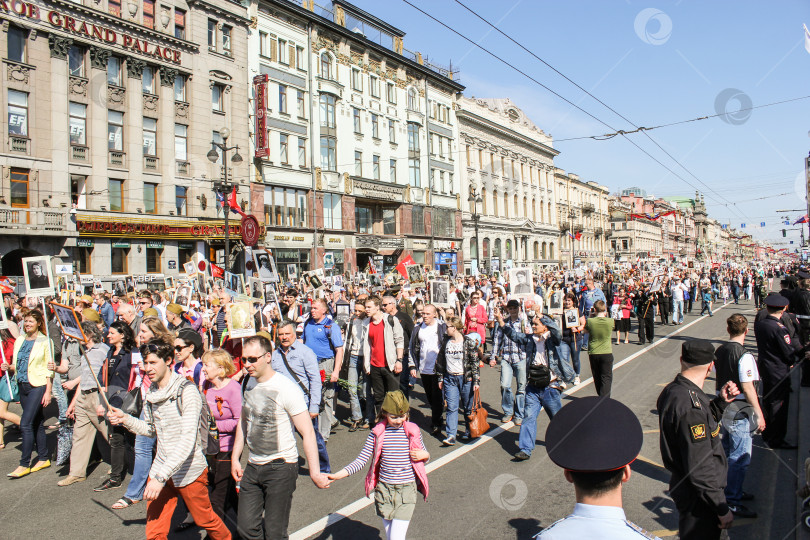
559,367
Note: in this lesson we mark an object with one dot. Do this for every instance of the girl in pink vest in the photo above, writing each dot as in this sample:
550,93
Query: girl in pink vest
398,456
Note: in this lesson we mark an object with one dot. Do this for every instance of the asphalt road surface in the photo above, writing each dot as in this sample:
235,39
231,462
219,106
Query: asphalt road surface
477,490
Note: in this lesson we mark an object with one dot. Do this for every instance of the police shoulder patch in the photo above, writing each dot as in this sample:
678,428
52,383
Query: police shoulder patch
698,432
787,339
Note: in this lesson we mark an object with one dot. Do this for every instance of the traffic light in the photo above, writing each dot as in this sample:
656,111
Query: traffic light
784,233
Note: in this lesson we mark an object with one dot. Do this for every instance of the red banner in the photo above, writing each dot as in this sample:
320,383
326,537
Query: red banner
262,140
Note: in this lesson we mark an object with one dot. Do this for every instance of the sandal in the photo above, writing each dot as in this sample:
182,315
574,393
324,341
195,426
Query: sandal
2,445
123,502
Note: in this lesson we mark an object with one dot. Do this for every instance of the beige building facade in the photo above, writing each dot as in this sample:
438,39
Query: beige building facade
583,215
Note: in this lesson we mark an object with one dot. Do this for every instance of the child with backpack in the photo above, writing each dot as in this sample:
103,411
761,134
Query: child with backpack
398,456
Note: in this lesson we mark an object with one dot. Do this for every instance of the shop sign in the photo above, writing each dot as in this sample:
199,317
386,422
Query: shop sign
121,244
378,191
172,265
262,140
300,240
185,245
250,230
331,241
133,227
84,242
148,278
153,244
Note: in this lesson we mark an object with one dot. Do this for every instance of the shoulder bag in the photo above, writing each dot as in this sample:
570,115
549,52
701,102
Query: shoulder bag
477,419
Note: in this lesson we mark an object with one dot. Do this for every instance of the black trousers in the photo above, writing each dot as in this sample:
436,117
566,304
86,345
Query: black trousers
121,452
602,372
221,484
267,488
434,398
382,380
646,327
775,401
665,308
696,521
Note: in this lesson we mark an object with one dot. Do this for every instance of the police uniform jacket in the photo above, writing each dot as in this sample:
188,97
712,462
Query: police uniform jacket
690,444
775,349
642,300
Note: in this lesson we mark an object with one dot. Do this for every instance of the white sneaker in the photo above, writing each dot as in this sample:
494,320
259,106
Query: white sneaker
577,382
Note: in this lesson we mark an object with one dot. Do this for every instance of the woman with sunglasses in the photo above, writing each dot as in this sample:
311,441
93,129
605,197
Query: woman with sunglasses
116,376
153,334
188,348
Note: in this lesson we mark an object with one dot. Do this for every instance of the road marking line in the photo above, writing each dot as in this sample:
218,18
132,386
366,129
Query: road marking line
650,462
352,508
651,431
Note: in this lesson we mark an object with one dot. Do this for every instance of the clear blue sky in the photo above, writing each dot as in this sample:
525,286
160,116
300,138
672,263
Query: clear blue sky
672,68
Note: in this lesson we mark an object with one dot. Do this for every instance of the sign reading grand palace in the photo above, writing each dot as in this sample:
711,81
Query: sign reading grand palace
129,227
89,30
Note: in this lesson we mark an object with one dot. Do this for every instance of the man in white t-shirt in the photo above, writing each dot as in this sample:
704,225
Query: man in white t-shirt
269,411
426,340
678,289
743,417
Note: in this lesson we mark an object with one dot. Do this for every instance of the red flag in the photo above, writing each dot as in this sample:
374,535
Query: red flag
233,204
407,261
578,235
216,271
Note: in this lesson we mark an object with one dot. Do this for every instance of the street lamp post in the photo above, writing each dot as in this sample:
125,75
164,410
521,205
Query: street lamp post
571,215
475,199
225,187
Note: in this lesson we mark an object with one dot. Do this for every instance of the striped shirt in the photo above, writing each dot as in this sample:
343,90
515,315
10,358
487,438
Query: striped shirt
395,461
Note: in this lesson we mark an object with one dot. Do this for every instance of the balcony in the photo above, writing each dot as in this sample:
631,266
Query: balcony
117,158
78,153
564,226
18,144
183,167
33,220
150,163
588,208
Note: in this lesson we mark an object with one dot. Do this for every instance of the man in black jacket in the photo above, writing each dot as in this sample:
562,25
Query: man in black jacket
389,305
646,304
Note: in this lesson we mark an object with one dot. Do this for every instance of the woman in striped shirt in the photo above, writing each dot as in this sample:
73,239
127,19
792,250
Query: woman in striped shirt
398,456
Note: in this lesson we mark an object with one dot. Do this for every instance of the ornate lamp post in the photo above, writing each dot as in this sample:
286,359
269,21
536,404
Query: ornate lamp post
225,187
475,199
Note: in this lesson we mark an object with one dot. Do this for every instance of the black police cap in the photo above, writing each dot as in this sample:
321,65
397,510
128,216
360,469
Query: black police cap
697,352
776,301
594,434
802,275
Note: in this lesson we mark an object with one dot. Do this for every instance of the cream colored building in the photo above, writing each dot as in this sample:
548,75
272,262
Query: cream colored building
583,209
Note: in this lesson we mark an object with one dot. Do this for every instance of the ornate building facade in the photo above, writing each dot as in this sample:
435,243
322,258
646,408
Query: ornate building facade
584,217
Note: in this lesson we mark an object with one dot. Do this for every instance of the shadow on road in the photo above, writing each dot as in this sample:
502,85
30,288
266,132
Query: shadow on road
525,528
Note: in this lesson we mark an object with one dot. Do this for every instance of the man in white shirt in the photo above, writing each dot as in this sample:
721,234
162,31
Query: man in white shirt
678,289
269,411
426,340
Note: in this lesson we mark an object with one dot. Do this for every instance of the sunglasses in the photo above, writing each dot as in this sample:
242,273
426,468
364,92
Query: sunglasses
143,301
252,359
179,348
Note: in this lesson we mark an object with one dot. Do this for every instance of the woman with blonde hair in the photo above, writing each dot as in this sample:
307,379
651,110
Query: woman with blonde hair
224,397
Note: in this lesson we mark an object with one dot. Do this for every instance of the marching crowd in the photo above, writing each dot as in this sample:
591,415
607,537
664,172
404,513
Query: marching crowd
172,403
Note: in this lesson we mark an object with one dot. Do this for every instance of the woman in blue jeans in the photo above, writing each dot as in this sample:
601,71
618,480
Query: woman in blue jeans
571,344
152,331
457,368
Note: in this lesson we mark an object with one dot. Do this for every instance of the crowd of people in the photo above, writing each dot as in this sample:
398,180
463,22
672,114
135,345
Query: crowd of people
164,395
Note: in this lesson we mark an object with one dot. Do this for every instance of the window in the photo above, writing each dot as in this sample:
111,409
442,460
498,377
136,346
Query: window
179,23
78,124
114,71
356,116
363,222
375,167
374,86
328,154
180,88
282,99
506,205
358,163
217,138
302,112
418,220
17,44
332,211
115,131
389,221
327,111
285,207
485,248
326,66
114,7
81,258
118,260
283,56
116,192
180,142
216,98
302,152
226,39
525,207
392,170
212,34
76,62
17,113
19,187
413,137
444,222
414,174
149,198
180,197
495,202
390,92
283,147
148,80
413,101
484,202
392,131
149,137
375,126
299,58
516,206
357,80
263,51
149,13
153,260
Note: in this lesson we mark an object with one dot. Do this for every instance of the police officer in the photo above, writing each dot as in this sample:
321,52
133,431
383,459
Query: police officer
579,427
800,307
645,304
690,445
776,350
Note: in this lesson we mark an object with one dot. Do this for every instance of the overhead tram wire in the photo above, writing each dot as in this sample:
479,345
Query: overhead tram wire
582,89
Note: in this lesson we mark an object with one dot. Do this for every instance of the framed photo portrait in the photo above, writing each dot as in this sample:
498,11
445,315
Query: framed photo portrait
168,282
292,271
521,281
265,266
240,320
571,318
440,293
555,302
416,274
39,279
189,268
69,322
256,288
182,295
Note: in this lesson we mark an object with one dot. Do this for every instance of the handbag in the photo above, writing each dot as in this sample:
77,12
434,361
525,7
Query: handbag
133,402
477,419
9,391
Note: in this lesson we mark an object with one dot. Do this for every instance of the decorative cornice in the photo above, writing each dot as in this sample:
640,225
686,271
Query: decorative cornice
99,57
59,46
476,120
135,68
167,76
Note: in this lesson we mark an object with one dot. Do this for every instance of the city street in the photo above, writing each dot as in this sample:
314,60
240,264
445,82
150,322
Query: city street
476,490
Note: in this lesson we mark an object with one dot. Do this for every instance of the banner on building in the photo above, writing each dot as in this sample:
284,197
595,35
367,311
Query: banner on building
260,112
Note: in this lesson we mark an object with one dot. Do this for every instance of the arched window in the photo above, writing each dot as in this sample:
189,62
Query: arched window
551,250
543,251
413,99
484,202
525,207
506,205
508,248
534,210
517,212
536,250
326,65
542,218
473,247
485,248
496,252
550,216
495,203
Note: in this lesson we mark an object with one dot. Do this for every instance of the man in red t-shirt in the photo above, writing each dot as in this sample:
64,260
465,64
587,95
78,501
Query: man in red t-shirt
383,369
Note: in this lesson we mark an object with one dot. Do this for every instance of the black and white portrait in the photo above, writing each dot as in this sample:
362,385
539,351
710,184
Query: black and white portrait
119,287
68,321
168,282
313,280
234,284
189,268
440,293
292,271
555,302
130,281
264,265
182,295
270,293
38,276
571,318
416,274
521,281
256,289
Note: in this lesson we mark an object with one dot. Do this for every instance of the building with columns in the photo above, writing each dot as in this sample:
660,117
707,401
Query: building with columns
112,108
507,187
583,211
354,140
